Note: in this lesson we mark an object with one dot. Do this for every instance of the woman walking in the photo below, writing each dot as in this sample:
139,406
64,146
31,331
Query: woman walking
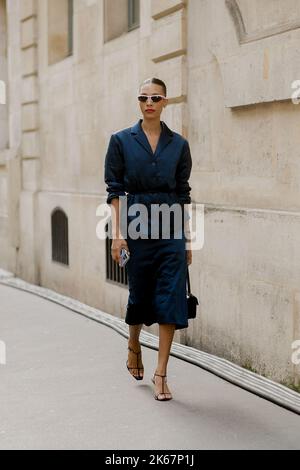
152,164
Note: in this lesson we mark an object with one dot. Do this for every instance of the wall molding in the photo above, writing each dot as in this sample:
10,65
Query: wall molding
244,36
169,11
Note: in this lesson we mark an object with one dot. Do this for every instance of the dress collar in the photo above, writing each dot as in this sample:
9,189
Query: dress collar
139,135
137,128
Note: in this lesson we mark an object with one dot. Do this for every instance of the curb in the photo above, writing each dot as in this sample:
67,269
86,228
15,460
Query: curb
250,381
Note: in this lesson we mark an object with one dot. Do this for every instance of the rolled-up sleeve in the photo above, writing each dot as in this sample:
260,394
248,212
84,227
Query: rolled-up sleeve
183,172
114,170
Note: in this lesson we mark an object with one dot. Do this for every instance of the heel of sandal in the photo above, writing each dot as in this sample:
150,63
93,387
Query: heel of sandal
156,396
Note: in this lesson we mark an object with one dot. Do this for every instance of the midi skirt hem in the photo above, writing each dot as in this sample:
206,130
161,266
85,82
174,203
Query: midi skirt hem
134,317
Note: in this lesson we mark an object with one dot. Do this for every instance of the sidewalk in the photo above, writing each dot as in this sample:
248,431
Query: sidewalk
65,386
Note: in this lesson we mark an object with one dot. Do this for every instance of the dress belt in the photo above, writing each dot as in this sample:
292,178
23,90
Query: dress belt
151,192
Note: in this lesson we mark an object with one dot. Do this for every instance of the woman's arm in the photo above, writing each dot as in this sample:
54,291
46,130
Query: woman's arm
118,240
115,218
114,178
114,170
183,172
183,189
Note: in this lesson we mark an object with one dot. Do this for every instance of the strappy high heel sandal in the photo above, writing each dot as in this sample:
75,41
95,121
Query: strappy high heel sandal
137,377
156,396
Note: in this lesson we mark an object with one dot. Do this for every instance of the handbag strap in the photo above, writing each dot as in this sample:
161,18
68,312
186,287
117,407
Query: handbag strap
188,281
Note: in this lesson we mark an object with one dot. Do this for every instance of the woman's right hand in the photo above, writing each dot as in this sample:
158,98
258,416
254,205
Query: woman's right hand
116,247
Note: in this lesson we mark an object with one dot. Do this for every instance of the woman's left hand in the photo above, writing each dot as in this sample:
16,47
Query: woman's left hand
188,256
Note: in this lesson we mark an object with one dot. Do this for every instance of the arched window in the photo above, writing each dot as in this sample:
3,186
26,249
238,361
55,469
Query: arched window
60,237
113,271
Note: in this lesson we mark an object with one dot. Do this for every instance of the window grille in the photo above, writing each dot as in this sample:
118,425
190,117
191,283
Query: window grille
60,237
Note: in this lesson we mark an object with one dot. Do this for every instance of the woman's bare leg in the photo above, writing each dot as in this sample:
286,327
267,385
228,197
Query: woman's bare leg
134,343
166,335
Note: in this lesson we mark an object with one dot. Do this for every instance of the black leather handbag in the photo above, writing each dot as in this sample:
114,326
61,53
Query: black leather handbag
192,300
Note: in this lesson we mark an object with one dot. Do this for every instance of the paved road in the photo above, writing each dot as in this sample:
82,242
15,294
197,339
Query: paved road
65,386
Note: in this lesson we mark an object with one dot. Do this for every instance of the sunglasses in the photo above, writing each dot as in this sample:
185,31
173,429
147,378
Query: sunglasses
154,98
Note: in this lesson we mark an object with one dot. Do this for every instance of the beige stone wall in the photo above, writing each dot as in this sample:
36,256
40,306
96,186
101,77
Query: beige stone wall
229,70
58,29
115,19
10,134
3,132
3,74
244,139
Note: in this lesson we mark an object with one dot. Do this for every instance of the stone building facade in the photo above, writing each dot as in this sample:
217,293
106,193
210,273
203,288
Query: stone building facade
72,70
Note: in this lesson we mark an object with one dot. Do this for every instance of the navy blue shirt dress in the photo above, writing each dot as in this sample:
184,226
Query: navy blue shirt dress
157,267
